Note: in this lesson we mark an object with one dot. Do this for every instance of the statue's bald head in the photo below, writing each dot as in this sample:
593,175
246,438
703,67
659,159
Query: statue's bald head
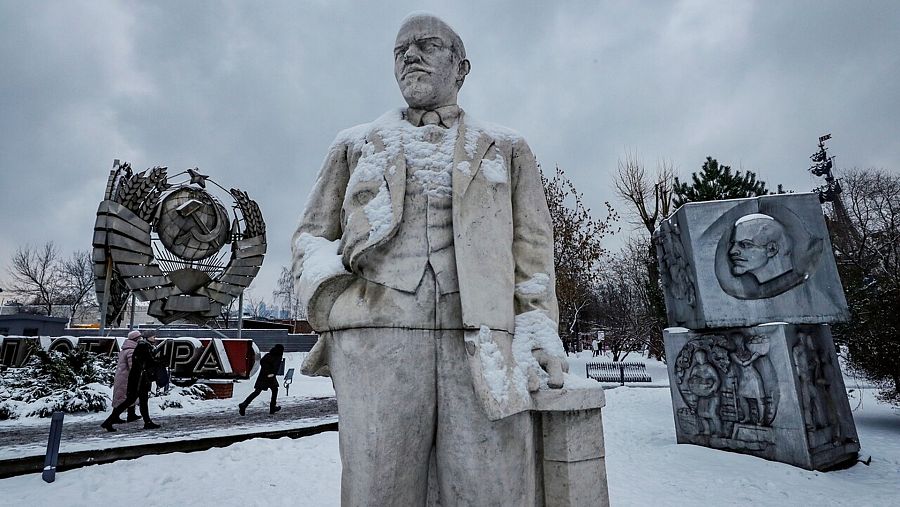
760,245
429,61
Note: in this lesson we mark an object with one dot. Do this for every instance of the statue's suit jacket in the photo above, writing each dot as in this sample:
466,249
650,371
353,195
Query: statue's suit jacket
502,230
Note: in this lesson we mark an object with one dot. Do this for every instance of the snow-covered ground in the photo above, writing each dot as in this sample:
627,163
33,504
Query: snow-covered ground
305,471
644,466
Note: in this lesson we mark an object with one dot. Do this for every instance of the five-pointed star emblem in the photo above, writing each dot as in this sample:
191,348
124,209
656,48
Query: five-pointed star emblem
196,177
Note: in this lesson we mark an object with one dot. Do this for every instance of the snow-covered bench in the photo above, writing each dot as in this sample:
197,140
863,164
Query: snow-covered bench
620,372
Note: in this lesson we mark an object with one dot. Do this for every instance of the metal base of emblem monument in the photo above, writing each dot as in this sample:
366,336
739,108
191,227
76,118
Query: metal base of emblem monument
774,391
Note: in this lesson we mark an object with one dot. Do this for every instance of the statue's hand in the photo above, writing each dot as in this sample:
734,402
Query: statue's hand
553,365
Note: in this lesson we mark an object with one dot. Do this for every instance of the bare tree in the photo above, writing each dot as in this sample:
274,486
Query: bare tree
622,301
34,275
225,313
76,280
649,198
254,305
577,249
285,294
865,227
871,199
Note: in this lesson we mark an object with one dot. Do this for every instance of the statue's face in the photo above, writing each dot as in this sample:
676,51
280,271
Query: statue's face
700,357
748,251
424,64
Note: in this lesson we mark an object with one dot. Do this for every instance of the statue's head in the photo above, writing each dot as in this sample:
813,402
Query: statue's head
720,357
806,339
700,356
760,246
429,61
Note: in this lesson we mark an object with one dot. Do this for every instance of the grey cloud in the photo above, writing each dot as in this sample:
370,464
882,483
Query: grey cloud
253,93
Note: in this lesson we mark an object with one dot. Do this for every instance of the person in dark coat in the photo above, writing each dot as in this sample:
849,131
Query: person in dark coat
140,378
268,367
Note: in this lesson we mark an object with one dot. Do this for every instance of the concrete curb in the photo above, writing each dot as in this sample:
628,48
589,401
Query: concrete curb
78,459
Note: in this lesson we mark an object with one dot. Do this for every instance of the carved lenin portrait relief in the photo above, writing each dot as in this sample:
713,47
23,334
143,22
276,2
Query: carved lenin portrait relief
761,255
761,247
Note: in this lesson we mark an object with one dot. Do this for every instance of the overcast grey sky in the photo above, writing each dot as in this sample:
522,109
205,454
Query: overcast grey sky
253,93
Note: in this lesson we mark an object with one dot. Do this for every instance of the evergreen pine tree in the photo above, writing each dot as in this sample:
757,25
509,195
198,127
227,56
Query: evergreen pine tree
715,182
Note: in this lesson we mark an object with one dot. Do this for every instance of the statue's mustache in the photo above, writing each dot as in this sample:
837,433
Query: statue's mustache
414,68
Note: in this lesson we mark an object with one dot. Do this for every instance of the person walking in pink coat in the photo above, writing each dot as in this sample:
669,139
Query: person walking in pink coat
123,368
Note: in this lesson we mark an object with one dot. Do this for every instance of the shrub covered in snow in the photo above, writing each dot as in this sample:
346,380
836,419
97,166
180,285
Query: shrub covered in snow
76,381
181,396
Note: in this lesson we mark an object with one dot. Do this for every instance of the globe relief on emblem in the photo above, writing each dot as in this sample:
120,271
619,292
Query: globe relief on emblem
163,239
192,224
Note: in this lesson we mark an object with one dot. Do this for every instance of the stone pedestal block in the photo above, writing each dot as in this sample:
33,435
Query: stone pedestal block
744,262
773,391
571,451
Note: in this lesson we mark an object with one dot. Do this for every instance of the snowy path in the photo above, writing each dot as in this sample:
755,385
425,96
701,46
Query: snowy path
85,433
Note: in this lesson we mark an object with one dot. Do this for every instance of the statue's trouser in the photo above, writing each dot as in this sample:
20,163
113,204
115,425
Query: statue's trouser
404,394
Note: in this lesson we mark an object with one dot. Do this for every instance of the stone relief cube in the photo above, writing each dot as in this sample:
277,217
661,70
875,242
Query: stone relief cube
774,391
744,262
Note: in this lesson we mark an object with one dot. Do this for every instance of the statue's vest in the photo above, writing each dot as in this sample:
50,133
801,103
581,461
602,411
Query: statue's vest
425,235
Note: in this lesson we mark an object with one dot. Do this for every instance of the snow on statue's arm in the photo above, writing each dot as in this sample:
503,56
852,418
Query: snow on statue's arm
315,245
536,344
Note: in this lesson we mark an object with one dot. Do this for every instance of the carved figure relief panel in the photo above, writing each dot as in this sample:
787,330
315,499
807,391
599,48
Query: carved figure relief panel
742,390
750,261
676,272
821,391
729,389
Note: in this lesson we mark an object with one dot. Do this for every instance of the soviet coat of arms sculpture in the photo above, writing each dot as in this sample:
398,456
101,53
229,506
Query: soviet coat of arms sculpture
162,238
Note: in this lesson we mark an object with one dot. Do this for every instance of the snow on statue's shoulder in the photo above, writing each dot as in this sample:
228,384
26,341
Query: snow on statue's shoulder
356,136
497,132
390,119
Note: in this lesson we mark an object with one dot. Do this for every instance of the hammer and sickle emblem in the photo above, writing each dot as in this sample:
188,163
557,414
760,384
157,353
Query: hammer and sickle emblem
205,234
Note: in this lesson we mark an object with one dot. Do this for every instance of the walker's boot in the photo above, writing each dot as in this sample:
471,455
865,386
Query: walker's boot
108,425
150,425
242,408
272,410
132,415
